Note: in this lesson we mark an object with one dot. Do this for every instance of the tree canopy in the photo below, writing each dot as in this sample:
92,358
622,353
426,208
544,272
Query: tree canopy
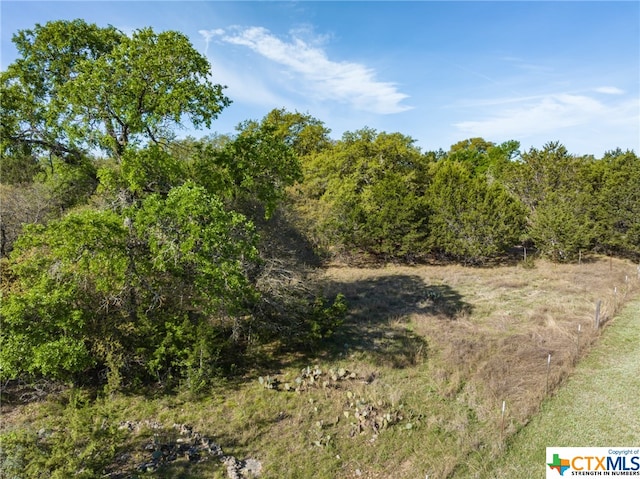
365,191
77,87
150,265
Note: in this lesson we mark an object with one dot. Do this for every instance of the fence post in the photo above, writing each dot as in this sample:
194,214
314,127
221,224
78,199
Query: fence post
502,423
597,318
548,369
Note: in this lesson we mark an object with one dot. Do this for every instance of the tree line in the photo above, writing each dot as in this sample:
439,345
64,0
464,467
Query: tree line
377,193
130,255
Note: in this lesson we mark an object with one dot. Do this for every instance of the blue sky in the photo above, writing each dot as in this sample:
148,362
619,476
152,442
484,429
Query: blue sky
439,72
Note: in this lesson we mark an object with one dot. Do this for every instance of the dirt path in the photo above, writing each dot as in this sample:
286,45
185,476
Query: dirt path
598,406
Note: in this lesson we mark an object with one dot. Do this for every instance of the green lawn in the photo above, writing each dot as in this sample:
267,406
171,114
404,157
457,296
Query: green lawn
598,406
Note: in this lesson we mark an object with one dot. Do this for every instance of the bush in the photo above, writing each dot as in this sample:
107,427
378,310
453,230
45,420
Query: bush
80,442
290,312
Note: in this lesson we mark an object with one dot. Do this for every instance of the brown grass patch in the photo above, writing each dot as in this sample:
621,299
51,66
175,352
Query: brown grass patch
490,332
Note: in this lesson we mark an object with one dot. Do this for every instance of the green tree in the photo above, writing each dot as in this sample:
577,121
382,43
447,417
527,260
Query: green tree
540,172
77,86
472,220
159,274
142,172
559,228
302,132
500,157
64,272
617,211
484,157
251,170
554,184
473,152
262,164
137,290
366,193
33,106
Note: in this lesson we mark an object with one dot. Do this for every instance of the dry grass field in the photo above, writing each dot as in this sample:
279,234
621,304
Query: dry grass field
411,386
485,331
599,405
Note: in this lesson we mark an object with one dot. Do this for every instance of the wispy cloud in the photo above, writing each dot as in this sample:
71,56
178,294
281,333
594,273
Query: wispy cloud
547,115
609,90
554,115
309,68
247,88
528,66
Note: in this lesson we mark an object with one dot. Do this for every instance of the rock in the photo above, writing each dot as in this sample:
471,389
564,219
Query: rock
191,445
211,447
242,469
251,468
193,455
233,467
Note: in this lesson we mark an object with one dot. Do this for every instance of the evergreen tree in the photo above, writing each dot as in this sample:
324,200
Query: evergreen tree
617,206
472,220
366,194
557,190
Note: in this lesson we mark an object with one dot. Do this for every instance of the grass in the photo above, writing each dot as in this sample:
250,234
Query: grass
492,329
598,407
433,352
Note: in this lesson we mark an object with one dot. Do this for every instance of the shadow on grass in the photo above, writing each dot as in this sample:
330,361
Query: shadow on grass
377,323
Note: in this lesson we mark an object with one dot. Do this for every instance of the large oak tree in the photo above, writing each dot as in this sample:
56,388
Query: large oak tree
76,87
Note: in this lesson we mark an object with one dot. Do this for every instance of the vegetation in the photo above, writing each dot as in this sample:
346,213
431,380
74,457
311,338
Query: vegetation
137,262
366,192
377,194
148,264
573,418
411,384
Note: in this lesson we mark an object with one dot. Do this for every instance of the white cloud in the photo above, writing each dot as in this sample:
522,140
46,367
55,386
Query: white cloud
609,90
546,114
242,82
309,67
587,121
246,88
208,35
